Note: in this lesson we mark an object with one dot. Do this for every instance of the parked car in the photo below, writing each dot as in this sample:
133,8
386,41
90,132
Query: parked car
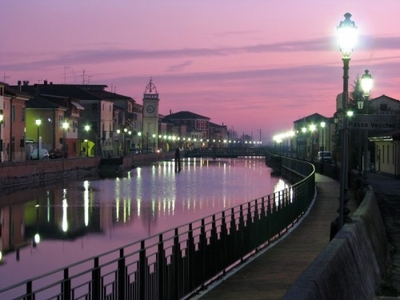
325,157
56,153
43,154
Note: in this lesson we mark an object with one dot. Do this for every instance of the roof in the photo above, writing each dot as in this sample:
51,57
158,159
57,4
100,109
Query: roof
384,97
65,90
216,125
185,115
40,102
311,118
13,92
109,95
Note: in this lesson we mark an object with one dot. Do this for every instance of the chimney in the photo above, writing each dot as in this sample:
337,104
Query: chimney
26,82
45,82
19,85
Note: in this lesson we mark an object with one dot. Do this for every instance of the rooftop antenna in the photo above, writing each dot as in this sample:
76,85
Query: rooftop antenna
5,77
83,77
65,74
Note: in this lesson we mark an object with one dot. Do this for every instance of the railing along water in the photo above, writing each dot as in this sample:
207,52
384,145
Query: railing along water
179,262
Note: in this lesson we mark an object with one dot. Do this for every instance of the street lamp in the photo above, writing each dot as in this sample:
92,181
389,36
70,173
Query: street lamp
65,126
38,123
87,129
1,140
366,86
347,35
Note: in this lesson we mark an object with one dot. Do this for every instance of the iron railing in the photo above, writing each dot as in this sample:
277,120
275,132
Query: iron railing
179,262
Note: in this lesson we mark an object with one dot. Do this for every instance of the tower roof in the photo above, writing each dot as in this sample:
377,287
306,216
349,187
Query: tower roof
150,88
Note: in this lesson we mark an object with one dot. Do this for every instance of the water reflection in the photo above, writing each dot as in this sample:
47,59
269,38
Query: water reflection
77,219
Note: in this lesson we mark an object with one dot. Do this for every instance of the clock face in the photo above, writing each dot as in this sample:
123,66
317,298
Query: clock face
150,109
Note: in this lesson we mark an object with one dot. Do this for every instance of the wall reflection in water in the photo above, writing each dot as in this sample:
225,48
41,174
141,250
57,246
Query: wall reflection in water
119,211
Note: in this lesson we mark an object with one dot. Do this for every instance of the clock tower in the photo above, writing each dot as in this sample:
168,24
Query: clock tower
150,117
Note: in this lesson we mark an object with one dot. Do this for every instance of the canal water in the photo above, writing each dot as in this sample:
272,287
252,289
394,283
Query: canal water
60,224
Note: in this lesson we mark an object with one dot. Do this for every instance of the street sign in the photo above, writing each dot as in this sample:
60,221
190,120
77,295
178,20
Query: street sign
372,122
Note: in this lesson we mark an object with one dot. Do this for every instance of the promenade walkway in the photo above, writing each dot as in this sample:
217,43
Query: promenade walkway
270,274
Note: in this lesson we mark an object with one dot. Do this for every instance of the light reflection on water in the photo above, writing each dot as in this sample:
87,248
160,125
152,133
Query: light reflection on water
80,219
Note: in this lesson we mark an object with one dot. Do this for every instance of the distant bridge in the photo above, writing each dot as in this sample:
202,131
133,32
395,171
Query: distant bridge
226,152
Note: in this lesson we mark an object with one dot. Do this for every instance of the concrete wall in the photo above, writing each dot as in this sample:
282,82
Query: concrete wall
352,265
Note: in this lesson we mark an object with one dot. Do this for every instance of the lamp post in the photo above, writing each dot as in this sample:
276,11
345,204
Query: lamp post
347,33
1,140
87,129
125,131
65,126
366,86
118,132
322,124
38,123
322,147
140,141
312,128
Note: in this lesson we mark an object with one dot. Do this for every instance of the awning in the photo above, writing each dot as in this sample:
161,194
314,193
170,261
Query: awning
77,105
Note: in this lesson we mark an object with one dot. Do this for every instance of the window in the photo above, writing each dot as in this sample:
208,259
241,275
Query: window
23,115
383,153
383,107
387,156
13,113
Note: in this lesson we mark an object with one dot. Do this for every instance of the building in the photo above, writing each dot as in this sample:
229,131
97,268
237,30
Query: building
149,136
385,157
14,144
193,129
311,134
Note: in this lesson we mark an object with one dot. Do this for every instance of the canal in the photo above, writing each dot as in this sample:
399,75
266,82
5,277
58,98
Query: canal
49,227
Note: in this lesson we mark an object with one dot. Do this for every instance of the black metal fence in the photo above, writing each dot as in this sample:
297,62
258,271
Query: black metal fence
179,262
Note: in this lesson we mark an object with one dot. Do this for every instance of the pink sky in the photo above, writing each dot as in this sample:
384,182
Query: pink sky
251,65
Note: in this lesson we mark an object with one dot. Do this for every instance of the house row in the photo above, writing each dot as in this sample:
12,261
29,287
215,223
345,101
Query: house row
379,123
87,120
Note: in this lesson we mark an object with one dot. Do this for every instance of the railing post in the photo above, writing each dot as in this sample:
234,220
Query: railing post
96,280
161,266
121,275
176,261
66,286
191,257
142,270
201,261
29,291
224,237
241,226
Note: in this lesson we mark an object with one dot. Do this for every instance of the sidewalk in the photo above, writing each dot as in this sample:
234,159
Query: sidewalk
271,274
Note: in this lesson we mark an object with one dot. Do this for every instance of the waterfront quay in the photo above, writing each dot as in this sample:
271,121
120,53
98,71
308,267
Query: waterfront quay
291,267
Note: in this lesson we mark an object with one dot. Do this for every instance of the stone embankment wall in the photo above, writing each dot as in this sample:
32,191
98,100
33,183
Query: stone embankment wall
352,265
33,173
